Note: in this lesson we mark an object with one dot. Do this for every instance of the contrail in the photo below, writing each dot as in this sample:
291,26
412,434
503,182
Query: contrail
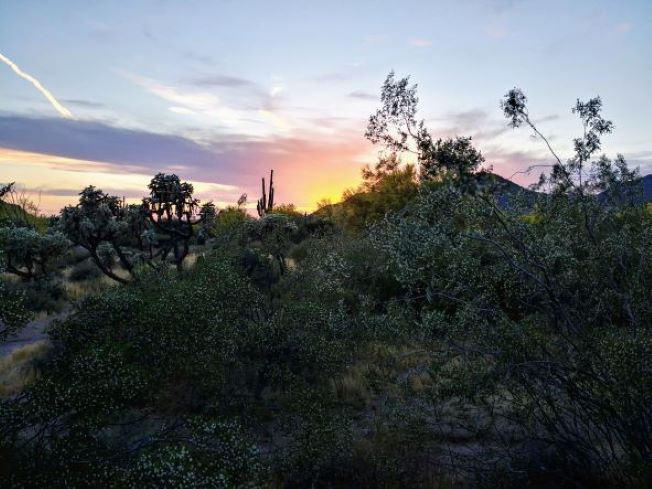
55,103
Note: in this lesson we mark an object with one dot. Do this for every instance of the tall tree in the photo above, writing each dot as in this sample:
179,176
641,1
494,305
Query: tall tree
395,125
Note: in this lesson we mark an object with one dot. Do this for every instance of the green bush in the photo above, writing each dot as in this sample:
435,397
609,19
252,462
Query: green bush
84,270
13,312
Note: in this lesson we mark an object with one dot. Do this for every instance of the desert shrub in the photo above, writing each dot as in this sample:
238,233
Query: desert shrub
13,311
155,351
547,320
84,270
42,295
229,224
285,209
551,317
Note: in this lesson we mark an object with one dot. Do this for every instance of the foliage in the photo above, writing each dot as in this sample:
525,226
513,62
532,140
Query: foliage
84,270
386,188
18,210
581,174
287,209
13,313
152,351
174,212
99,221
547,318
30,254
395,125
419,334
229,220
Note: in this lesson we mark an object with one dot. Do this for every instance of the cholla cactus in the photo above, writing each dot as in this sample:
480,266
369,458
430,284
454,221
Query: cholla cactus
30,254
99,220
174,213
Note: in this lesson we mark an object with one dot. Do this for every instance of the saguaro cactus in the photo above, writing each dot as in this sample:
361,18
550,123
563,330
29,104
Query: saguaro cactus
266,202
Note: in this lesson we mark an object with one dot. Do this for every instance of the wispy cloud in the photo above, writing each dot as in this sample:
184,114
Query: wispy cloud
86,104
220,80
254,112
361,94
474,122
276,89
37,84
336,76
204,104
310,165
56,181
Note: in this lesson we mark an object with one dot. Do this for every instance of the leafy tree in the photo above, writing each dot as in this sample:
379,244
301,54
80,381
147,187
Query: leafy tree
286,209
581,174
547,321
229,220
395,125
387,187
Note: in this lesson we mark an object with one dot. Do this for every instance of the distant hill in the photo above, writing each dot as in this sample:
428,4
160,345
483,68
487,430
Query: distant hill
506,192
8,210
644,197
12,212
505,189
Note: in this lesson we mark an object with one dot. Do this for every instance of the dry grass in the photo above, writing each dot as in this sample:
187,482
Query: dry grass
18,369
384,370
79,290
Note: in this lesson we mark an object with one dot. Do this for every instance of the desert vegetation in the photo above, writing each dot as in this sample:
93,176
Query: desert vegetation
439,327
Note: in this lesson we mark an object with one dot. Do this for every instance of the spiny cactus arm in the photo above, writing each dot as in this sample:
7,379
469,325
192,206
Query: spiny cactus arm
270,204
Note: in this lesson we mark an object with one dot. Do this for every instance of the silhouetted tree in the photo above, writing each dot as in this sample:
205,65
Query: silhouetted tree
174,212
395,125
100,223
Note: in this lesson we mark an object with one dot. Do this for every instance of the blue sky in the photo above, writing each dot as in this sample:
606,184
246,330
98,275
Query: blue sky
221,91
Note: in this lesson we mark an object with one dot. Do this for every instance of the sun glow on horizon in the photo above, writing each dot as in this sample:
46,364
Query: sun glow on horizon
55,181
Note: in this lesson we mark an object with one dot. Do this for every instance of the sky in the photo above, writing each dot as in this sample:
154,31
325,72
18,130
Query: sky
109,93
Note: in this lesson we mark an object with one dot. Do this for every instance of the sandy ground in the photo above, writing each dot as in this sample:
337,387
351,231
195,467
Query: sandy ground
32,333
